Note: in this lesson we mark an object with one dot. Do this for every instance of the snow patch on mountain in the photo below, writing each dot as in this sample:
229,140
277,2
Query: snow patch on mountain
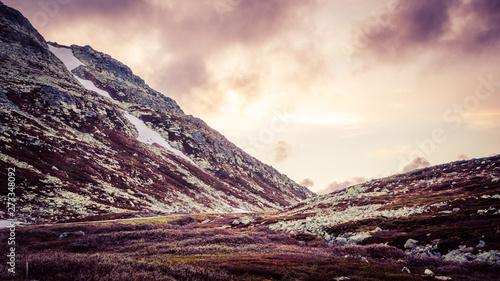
91,86
71,62
148,136
66,56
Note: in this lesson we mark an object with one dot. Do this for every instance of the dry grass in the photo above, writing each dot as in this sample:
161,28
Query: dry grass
182,248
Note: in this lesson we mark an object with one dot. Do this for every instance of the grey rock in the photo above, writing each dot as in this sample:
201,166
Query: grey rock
428,273
341,241
481,244
411,244
242,221
491,256
71,234
5,102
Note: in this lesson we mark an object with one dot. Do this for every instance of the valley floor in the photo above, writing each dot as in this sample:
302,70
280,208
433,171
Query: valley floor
212,247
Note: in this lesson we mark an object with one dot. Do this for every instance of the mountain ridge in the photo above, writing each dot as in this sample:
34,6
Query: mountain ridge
78,153
447,208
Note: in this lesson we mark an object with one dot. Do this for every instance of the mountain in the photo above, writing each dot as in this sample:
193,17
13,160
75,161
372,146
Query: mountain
87,137
83,138
450,210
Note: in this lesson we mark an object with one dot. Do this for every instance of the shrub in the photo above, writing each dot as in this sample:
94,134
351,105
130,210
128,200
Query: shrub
378,251
183,221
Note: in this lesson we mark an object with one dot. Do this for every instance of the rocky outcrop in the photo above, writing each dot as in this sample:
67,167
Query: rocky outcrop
208,148
120,82
411,244
15,28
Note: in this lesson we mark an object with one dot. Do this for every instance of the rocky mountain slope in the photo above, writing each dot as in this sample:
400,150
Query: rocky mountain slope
450,211
95,139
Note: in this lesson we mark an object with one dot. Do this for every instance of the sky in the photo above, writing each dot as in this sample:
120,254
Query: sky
330,93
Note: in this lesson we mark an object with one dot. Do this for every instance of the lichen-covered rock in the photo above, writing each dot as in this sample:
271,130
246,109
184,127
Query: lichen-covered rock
411,244
242,221
429,274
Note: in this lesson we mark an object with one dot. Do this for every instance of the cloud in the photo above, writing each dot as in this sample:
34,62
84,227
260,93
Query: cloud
194,53
417,163
327,118
484,119
462,157
386,153
307,182
282,150
187,71
467,27
334,186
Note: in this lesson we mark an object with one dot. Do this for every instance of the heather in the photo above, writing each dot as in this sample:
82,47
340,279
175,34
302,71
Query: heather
213,247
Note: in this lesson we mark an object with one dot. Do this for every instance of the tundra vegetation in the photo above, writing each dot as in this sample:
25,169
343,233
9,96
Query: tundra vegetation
214,247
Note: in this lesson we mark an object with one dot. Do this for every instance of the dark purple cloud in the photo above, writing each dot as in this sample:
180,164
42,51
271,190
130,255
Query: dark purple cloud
192,35
415,27
427,20
483,29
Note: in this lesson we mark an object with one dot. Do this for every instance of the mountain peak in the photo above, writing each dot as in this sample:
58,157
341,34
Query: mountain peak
15,28
119,80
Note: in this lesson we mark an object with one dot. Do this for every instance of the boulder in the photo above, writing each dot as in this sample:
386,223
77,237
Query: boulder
411,244
406,269
481,244
429,274
341,241
364,259
242,221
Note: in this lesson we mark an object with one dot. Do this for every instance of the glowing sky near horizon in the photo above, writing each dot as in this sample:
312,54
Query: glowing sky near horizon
329,91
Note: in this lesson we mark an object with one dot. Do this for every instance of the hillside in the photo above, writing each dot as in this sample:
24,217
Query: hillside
451,210
87,137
